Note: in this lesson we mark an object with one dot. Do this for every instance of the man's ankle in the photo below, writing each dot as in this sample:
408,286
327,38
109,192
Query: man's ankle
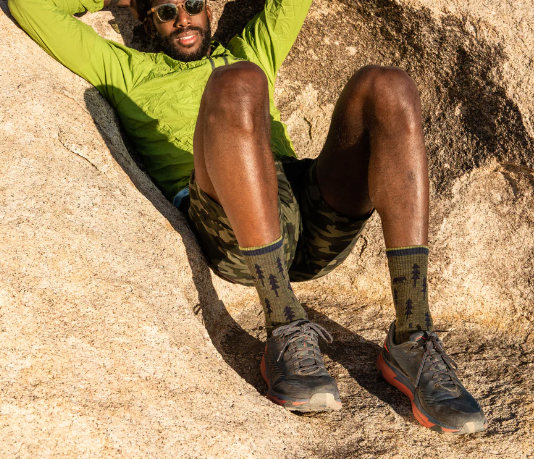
409,285
267,265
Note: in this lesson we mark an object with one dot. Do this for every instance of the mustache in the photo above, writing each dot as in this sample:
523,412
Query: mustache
200,30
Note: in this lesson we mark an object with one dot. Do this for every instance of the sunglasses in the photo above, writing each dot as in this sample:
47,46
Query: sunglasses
169,11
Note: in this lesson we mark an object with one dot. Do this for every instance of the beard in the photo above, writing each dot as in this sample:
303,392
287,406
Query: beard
167,45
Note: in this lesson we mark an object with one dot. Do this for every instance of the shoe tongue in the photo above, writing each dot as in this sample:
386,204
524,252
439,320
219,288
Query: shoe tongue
308,359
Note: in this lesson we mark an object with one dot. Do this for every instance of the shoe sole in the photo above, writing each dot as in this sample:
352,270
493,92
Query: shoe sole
316,403
396,378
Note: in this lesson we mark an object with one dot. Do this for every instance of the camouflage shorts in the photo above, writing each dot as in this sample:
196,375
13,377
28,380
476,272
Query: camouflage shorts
316,238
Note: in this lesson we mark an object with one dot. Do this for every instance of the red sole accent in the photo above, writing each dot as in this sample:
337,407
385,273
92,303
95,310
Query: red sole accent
390,376
276,400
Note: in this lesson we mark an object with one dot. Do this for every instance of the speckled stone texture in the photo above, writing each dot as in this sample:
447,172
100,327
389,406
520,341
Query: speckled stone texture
115,339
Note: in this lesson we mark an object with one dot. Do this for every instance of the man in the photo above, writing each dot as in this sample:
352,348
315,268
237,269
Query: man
202,117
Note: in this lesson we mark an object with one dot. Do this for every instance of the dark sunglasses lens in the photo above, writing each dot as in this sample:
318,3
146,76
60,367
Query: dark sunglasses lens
167,13
194,6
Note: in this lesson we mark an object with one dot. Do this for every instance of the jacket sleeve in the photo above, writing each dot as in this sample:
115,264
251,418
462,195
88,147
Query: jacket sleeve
271,34
76,45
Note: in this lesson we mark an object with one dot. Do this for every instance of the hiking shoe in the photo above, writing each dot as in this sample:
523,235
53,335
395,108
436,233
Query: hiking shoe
422,370
293,368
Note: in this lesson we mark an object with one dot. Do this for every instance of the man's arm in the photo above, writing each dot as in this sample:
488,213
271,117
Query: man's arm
76,45
271,34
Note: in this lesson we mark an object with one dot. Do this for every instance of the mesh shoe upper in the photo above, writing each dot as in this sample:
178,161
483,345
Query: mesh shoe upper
295,364
436,387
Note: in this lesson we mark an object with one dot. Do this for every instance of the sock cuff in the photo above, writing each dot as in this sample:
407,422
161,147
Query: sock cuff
262,249
410,250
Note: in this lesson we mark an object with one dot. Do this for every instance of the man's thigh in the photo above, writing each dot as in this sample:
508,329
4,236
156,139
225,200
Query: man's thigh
326,237
216,237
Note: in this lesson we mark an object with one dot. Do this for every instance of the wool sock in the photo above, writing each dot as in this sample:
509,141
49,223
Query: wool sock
408,270
271,279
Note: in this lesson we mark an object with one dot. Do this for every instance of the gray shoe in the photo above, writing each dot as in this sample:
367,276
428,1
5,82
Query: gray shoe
293,368
422,370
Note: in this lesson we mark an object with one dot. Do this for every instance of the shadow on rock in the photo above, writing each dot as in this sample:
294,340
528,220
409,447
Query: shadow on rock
237,347
5,10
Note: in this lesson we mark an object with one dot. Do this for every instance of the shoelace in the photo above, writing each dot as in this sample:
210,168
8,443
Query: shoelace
435,354
303,332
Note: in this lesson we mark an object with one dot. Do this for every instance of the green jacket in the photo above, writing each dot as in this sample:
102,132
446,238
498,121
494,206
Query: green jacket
157,98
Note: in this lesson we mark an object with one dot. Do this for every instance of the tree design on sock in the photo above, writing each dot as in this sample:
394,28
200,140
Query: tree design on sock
409,307
268,307
428,320
290,314
415,274
399,280
259,274
280,267
424,288
274,284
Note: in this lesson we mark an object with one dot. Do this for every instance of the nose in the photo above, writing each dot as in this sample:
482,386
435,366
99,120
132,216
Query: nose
183,19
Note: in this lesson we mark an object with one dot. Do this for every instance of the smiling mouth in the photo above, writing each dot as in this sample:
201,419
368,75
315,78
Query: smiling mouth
187,40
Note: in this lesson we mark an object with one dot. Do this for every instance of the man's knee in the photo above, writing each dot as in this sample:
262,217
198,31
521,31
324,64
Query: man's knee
237,93
389,93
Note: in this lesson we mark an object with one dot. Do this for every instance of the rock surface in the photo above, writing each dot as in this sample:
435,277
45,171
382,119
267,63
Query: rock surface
115,339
